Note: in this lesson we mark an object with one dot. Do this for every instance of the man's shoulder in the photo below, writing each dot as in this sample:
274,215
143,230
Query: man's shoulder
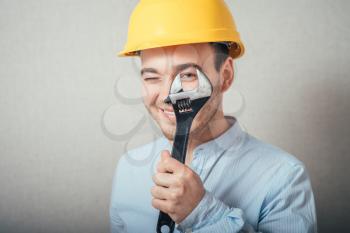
144,154
137,164
271,166
268,155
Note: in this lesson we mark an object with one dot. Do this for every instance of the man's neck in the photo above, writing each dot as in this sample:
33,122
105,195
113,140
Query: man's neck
217,126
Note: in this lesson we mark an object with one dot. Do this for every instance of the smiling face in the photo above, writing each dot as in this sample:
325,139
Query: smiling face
159,68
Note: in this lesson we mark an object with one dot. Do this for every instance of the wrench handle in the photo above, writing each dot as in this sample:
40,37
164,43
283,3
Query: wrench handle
178,152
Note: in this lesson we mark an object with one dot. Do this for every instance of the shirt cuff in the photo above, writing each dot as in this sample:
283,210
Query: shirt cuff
210,211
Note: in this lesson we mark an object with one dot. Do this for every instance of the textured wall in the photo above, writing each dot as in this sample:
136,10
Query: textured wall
69,108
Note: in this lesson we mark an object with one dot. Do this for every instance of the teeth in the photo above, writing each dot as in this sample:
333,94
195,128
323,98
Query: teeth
169,113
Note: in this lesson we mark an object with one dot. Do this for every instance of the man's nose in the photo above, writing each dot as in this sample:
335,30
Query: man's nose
165,88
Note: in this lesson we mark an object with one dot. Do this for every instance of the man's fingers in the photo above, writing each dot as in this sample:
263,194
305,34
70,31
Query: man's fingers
168,163
163,205
164,179
160,192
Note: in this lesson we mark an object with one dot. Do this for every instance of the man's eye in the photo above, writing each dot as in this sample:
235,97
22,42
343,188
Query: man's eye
151,79
188,77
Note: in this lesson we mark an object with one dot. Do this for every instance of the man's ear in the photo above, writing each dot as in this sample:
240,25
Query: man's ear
226,74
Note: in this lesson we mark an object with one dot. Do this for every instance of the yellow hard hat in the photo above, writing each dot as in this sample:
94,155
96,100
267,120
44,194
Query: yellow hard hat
159,23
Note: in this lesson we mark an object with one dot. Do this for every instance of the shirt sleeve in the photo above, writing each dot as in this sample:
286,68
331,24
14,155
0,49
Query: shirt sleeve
117,225
212,216
288,207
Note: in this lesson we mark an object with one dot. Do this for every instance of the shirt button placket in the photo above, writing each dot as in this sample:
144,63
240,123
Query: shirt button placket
195,164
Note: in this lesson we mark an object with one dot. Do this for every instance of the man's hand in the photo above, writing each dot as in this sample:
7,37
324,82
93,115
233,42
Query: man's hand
178,188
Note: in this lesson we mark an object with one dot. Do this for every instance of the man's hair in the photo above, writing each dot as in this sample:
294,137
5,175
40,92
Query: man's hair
221,51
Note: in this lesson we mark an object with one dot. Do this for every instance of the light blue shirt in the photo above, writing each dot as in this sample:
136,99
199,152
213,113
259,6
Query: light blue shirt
251,186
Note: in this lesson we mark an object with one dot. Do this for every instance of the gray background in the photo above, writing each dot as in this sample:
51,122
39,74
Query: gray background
68,104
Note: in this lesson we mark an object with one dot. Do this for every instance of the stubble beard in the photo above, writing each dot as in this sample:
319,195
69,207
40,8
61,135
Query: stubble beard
168,128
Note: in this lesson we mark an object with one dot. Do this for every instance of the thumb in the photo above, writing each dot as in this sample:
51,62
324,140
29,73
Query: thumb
165,155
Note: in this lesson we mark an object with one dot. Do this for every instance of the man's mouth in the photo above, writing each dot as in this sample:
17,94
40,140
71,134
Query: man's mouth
169,113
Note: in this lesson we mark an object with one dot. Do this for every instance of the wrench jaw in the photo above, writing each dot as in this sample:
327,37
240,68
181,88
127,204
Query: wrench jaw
189,102
186,110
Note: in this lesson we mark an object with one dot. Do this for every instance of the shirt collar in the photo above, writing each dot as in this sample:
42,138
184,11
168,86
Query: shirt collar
230,140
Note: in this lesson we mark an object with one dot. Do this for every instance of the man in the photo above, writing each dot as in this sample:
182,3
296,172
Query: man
231,181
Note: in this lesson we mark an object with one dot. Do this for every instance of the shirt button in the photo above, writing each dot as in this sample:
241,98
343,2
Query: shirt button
197,152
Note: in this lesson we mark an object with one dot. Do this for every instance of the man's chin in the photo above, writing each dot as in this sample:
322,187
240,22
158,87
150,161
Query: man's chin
169,129
168,132
168,136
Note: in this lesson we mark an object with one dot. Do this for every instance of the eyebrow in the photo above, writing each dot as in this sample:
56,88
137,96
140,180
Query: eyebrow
178,68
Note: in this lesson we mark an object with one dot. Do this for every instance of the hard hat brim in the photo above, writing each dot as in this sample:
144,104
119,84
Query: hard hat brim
237,49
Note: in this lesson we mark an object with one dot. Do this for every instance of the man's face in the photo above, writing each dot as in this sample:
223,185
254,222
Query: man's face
159,68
